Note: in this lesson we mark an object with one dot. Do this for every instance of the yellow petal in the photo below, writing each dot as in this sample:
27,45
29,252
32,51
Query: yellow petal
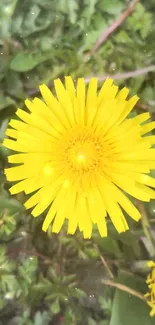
128,108
147,127
30,158
122,95
65,101
145,179
105,89
54,105
49,218
72,219
96,206
23,115
37,122
17,188
18,125
70,88
151,139
13,145
81,99
43,110
12,133
126,204
17,173
84,221
43,203
102,227
141,118
33,200
28,185
116,214
91,102
58,222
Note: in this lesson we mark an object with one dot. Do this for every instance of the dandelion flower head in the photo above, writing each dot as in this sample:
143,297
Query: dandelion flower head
151,285
78,153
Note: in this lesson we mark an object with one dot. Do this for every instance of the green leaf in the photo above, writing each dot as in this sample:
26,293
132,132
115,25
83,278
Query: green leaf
91,321
128,309
5,101
140,21
8,225
24,61
55,307
91,9
109,245
105,304
2,131
15,85
41,318
28,269
9,283
150,208
34,21
131,245
11,204
123,37
113,7
91,37
72,10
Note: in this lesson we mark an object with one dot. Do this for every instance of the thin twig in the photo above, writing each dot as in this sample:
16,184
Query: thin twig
123,287
16,251
114,26
117,76
124,75
104,262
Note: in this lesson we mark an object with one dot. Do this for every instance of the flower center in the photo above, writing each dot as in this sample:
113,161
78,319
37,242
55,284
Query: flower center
83,153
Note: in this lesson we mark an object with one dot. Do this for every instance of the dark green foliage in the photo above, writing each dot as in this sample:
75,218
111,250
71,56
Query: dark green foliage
57,279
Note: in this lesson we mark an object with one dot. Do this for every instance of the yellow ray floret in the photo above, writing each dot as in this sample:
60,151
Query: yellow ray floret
151,285
79,155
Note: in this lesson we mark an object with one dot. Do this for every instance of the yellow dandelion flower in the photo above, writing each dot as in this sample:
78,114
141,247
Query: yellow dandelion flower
79,153
151,285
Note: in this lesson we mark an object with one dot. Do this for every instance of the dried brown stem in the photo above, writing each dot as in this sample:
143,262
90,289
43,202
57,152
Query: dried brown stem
104,262
114,26
117,76
124,75
143,107
123,287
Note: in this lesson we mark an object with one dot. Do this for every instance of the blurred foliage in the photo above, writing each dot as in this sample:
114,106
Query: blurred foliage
57,279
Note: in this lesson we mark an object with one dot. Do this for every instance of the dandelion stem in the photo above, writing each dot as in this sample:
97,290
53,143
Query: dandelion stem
123,287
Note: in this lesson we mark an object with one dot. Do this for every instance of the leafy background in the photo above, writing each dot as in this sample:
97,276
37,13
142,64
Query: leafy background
57,279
